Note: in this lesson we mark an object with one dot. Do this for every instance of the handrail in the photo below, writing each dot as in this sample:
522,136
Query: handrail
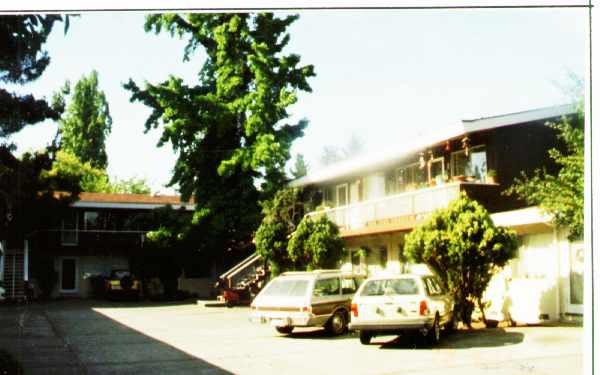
242,264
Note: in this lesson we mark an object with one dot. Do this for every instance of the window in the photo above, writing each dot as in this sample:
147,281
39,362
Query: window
342,195
91,220
327,287
68,234
283,287
474,165
349,286
432,287
390,287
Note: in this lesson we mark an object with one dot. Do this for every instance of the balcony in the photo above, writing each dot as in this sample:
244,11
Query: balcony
89,240
405,210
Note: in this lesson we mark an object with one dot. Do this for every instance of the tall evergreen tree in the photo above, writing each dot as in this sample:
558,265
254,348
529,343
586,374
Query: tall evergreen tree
229,130
87,122
22,60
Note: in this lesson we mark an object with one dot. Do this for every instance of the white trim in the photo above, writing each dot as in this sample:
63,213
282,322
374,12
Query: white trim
60,275
2,255
518,117
26,261
139,206
524,216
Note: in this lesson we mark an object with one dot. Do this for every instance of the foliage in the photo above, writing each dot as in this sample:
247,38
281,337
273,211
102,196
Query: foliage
23,60
282,215
462,246
334,154
86,124
26,199
88,178
25,202
560,194
316,244
228,129
300,167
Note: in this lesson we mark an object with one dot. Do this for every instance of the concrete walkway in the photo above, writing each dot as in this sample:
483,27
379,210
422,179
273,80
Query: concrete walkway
28,334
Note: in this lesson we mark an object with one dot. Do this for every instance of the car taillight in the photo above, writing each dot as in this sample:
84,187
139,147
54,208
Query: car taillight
354,309
307,309
423,308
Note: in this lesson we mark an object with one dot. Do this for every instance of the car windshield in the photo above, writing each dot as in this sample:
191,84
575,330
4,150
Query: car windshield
119,274
390,287
286,287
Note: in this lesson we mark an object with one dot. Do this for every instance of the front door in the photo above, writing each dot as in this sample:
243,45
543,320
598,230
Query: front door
68,275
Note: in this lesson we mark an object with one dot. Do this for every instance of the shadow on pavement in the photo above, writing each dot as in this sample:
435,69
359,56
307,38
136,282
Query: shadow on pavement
318,333
69,337
463,339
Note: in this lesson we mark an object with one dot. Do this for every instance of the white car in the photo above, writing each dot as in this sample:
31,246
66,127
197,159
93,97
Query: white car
319,298
399,304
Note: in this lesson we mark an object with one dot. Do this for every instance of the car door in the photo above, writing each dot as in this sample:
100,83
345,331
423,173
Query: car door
326,297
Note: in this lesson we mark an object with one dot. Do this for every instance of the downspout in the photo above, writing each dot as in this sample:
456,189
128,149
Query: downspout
558,286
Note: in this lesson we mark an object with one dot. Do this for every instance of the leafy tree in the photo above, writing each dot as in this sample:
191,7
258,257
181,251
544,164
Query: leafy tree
334,154
130,186
27,201
228,129
86,124
316,244
23,60
461,245
85,177
282,215
560,194
300,167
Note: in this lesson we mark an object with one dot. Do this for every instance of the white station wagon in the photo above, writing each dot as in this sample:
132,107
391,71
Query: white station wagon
399,304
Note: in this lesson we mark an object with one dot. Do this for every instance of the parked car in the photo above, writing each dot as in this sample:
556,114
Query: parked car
122,283
319,298
399,304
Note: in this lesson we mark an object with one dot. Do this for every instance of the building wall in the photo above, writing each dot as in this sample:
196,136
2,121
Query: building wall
86,267
544,283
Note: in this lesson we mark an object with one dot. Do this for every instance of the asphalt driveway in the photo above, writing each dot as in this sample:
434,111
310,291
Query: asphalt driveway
97,337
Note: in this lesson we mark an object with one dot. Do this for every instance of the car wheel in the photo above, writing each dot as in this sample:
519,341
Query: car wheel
285,330
491,323
337,323
365,337
433,336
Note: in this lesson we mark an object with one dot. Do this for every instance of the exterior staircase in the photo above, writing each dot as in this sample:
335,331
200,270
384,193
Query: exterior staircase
13,280
248,275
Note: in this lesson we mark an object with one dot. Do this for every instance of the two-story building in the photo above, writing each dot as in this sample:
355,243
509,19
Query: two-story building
99,232
377,198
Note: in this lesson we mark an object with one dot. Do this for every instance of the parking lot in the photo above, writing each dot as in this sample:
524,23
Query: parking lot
97,337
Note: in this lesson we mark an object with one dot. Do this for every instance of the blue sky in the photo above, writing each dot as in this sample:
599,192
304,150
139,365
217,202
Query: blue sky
383,76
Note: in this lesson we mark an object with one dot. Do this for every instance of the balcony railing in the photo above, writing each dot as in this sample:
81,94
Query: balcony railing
90,239
412,203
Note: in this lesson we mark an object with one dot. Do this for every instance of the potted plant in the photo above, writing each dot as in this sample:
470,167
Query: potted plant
491,176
